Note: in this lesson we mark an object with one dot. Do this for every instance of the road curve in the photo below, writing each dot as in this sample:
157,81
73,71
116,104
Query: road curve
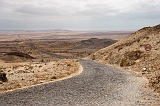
97,85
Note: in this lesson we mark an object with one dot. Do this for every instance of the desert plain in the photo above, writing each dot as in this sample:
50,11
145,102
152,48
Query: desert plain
29,58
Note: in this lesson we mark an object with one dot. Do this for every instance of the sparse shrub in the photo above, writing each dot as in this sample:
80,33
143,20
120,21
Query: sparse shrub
15,67
126,62
42,60
120,48
114,59
54,77
3,77
28,67
134,55
93,57
130,57
68,65
40,66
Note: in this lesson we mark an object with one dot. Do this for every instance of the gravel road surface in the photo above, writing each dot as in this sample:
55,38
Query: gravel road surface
97,85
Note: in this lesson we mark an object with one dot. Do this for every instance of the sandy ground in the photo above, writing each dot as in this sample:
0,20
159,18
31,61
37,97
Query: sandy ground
26,74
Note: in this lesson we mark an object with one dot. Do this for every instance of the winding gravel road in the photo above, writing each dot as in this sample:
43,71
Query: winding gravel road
97,85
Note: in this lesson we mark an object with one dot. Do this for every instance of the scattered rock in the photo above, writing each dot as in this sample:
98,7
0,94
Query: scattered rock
144,69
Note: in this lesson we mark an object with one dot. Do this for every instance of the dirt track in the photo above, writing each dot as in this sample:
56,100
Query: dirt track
97,85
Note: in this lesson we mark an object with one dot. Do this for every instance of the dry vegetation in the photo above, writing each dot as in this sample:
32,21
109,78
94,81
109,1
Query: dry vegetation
30,73
131,54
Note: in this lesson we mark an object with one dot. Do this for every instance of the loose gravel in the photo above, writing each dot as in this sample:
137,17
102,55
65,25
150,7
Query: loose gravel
97,85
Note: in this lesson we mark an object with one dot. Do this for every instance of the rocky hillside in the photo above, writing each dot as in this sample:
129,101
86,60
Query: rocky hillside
15,56
138,52
93,43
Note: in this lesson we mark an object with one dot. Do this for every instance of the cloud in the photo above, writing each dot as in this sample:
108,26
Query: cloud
81,7
89,11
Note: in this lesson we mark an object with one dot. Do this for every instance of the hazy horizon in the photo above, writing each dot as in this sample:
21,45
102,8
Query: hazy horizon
30,30
87,15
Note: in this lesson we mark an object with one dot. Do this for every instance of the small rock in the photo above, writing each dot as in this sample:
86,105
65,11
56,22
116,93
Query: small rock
145,69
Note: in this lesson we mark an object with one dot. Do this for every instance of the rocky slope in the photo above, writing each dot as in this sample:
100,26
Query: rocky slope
138,52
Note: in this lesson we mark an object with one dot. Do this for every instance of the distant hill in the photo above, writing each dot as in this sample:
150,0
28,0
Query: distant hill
16,56
138,52
93,43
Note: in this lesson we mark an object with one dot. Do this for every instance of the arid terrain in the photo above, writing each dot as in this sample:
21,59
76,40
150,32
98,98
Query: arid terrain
31,57
139,52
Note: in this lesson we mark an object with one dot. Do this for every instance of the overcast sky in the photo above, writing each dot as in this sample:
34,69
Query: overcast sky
78,14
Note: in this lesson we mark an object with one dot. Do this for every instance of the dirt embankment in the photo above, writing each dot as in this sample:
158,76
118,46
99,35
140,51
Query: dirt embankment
26,74
138,52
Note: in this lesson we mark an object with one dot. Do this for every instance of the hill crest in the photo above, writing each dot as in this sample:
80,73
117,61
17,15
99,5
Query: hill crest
133,53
